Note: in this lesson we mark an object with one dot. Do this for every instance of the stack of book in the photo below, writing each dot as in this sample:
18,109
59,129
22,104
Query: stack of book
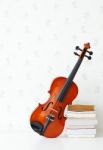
81,121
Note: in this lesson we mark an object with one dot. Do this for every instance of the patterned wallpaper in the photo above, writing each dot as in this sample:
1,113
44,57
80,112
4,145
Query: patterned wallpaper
37,41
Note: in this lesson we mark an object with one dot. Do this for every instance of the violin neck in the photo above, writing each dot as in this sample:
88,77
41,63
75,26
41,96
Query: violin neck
69,81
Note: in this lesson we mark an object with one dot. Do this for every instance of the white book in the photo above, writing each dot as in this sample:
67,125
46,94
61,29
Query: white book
80,122
81,131
80,115
79,127
81,112
81,136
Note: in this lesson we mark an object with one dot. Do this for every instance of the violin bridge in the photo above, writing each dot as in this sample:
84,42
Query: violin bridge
54,112
50,117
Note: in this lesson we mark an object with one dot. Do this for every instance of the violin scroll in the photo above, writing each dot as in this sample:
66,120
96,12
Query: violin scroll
83,51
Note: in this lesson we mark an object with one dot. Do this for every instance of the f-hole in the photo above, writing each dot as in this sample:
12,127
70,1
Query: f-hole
59,113
45,108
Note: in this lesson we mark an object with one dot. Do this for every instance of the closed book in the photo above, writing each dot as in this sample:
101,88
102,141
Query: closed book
81,131
81,107
81,136
79,127
81,122
85,114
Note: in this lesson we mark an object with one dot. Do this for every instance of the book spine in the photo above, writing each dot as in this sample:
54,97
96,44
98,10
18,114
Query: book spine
72,115
81,122
79,127
81,107
81,131
80,136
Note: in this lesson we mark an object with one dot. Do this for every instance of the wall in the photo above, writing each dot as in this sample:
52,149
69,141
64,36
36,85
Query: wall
37,41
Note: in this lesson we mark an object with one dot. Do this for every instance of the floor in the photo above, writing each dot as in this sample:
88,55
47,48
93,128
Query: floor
31,141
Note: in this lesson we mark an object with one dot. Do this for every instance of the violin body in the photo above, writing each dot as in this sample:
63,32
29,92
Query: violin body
48,119
56,127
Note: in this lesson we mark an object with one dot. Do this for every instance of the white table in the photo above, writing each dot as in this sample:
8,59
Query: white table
20,140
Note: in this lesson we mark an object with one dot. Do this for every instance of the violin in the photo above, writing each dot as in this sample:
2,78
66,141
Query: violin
48,119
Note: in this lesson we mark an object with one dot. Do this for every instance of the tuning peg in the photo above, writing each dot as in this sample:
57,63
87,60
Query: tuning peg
89,57
78,48
76,53
90,52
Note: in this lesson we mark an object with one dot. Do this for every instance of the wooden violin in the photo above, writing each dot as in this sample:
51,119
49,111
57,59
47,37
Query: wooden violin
48,119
